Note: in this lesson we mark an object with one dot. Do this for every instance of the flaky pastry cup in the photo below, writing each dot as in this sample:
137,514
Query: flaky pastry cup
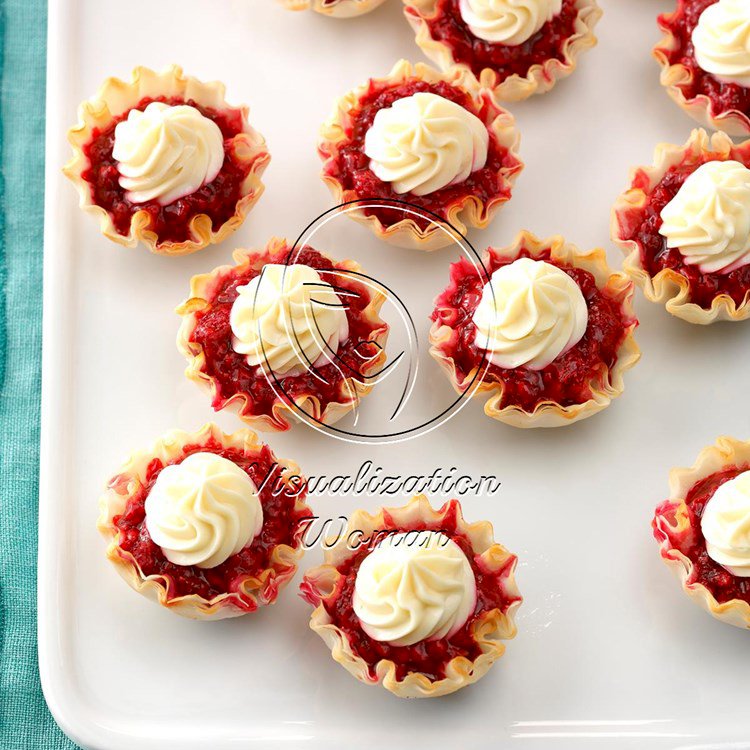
539,79
549,413
114,98
489,630
674,77
672,523
334,8
249,591
469,210
351,390
668,287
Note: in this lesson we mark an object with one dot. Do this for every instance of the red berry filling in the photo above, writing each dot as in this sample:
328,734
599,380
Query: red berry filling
723,97
642,227
217,199
446,25
427,657
566,380
723,585
351,166
232,374
281,525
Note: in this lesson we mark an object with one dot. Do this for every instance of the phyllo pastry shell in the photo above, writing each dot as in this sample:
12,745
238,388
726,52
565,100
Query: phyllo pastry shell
334,8
434,666
187,477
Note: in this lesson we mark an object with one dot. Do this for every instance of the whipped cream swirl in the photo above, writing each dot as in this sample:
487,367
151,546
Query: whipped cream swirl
414,586
708,220
203,510
425,142
726,525
510,22
288,320
166,152
721,41
530,313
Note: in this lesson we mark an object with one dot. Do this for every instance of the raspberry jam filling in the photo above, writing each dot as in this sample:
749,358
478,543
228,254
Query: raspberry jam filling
643,228
351,166
232,374
723,585
722,96
447,26
427,657
566,380
280,526
217,199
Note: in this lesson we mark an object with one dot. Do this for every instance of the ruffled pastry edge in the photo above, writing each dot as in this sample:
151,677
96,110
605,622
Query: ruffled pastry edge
672,521
540,78
252,591
116,96
351,389
675,76
668,287
467,211
550,413
337,9
490,629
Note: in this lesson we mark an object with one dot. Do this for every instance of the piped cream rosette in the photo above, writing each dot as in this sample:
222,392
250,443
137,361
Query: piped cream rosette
668,287
334,8
489,629
351,389
672,523
548,413
248,593
721,44
469,211
116,96
539,79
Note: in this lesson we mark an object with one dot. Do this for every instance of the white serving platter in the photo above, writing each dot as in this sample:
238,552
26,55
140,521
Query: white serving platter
609,654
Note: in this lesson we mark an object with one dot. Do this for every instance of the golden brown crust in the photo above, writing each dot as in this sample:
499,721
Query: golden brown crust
116,96
672,521
334,8
675,77
668,287
490,629
540,78
253,591
549,413
351,391
470,211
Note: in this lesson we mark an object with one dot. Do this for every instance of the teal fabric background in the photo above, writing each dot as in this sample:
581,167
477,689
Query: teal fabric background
25,721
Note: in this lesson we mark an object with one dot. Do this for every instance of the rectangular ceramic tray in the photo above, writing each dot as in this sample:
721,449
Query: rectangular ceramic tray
609,654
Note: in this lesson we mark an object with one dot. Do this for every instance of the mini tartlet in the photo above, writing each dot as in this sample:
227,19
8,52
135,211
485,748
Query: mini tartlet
172,203
232,486
709,98
662,272
471,121
334,8
543,328
680,522
535,60
457,653
322,390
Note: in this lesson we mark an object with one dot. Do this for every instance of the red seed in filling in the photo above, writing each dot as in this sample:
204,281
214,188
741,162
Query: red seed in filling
723,96
217,199
281,524
351,166
723,585
446,25
231,371
566,380
428,657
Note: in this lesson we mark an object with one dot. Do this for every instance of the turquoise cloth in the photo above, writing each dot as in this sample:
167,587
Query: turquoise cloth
25,721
